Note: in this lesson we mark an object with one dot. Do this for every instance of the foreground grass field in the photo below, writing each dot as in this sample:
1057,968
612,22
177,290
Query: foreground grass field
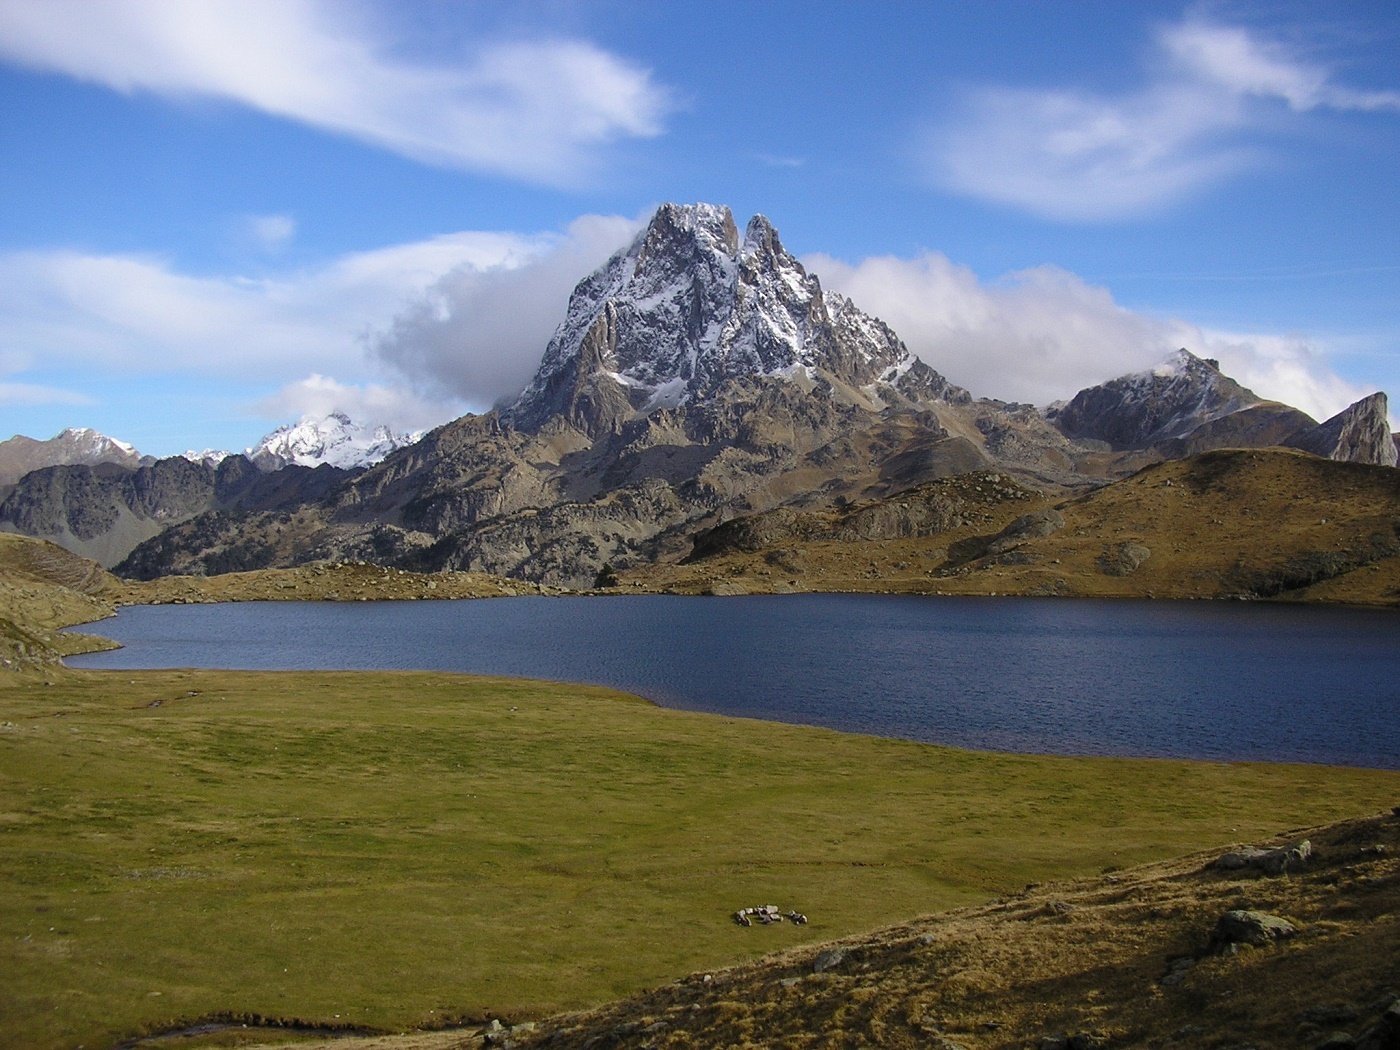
391,851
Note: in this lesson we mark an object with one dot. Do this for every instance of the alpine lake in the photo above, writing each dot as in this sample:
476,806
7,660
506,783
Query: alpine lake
1198,680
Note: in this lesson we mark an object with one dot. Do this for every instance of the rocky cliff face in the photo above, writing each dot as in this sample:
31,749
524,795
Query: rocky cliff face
1357,434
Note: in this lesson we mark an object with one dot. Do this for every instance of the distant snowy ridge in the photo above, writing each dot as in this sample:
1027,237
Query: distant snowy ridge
335,439
210,457
74,446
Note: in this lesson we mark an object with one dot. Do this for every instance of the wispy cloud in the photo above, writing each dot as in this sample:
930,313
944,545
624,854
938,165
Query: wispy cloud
37,394
1074,155
533,109
1043,334
271,232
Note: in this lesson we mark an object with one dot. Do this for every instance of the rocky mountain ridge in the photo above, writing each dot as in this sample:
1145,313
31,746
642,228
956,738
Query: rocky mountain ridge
102,512
19,455
699,376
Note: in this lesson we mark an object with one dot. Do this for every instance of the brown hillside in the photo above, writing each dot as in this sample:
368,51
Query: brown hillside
1264,523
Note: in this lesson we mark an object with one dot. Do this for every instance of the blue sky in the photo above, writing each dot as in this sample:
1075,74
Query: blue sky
217,215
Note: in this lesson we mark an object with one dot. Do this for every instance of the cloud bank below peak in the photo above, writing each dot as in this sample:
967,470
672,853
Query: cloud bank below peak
537,110
1070,155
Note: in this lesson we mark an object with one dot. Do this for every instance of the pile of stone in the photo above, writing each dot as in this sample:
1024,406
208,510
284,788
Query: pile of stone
767,914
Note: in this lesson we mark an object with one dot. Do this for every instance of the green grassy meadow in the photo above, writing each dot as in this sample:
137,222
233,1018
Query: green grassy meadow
393,851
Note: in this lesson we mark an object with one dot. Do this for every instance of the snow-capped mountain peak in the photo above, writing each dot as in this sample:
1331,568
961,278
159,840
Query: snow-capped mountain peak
335,439
210,457
689,305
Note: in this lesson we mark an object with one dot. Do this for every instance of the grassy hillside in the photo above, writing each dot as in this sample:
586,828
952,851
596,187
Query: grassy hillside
43,588
401,850
1116,960
1264,523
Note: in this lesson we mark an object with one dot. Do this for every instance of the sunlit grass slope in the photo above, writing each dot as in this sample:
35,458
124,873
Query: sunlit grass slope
399,850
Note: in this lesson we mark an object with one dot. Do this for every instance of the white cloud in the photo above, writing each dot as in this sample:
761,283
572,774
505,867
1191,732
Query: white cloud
479,333
37,394
418,331
1244,65
1077,156
137,314
316,396
1043,334
532,109
1287,368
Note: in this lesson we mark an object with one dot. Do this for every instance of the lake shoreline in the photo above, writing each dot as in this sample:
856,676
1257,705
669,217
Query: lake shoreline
1204,680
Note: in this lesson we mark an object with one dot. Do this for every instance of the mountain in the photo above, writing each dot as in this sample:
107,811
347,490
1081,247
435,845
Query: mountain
1144,409
700,376
696,375
688,306
19,455
1186,406
334,439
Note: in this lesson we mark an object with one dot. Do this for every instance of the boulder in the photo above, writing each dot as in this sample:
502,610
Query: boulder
1269,861
1124,559
1248,927
1033,526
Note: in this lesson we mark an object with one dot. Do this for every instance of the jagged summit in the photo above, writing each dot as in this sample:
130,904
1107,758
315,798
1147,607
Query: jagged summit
690,305
1168,401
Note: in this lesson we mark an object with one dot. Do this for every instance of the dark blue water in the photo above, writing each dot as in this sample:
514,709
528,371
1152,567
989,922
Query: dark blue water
1189,680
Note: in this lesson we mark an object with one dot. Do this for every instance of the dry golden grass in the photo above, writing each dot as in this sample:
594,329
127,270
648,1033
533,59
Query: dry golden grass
1256,523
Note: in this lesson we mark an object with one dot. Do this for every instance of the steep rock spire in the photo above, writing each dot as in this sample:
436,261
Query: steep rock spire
690,305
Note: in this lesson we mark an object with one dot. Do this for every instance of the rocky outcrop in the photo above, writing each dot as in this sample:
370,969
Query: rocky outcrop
1270,861
1254,928
1359,433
